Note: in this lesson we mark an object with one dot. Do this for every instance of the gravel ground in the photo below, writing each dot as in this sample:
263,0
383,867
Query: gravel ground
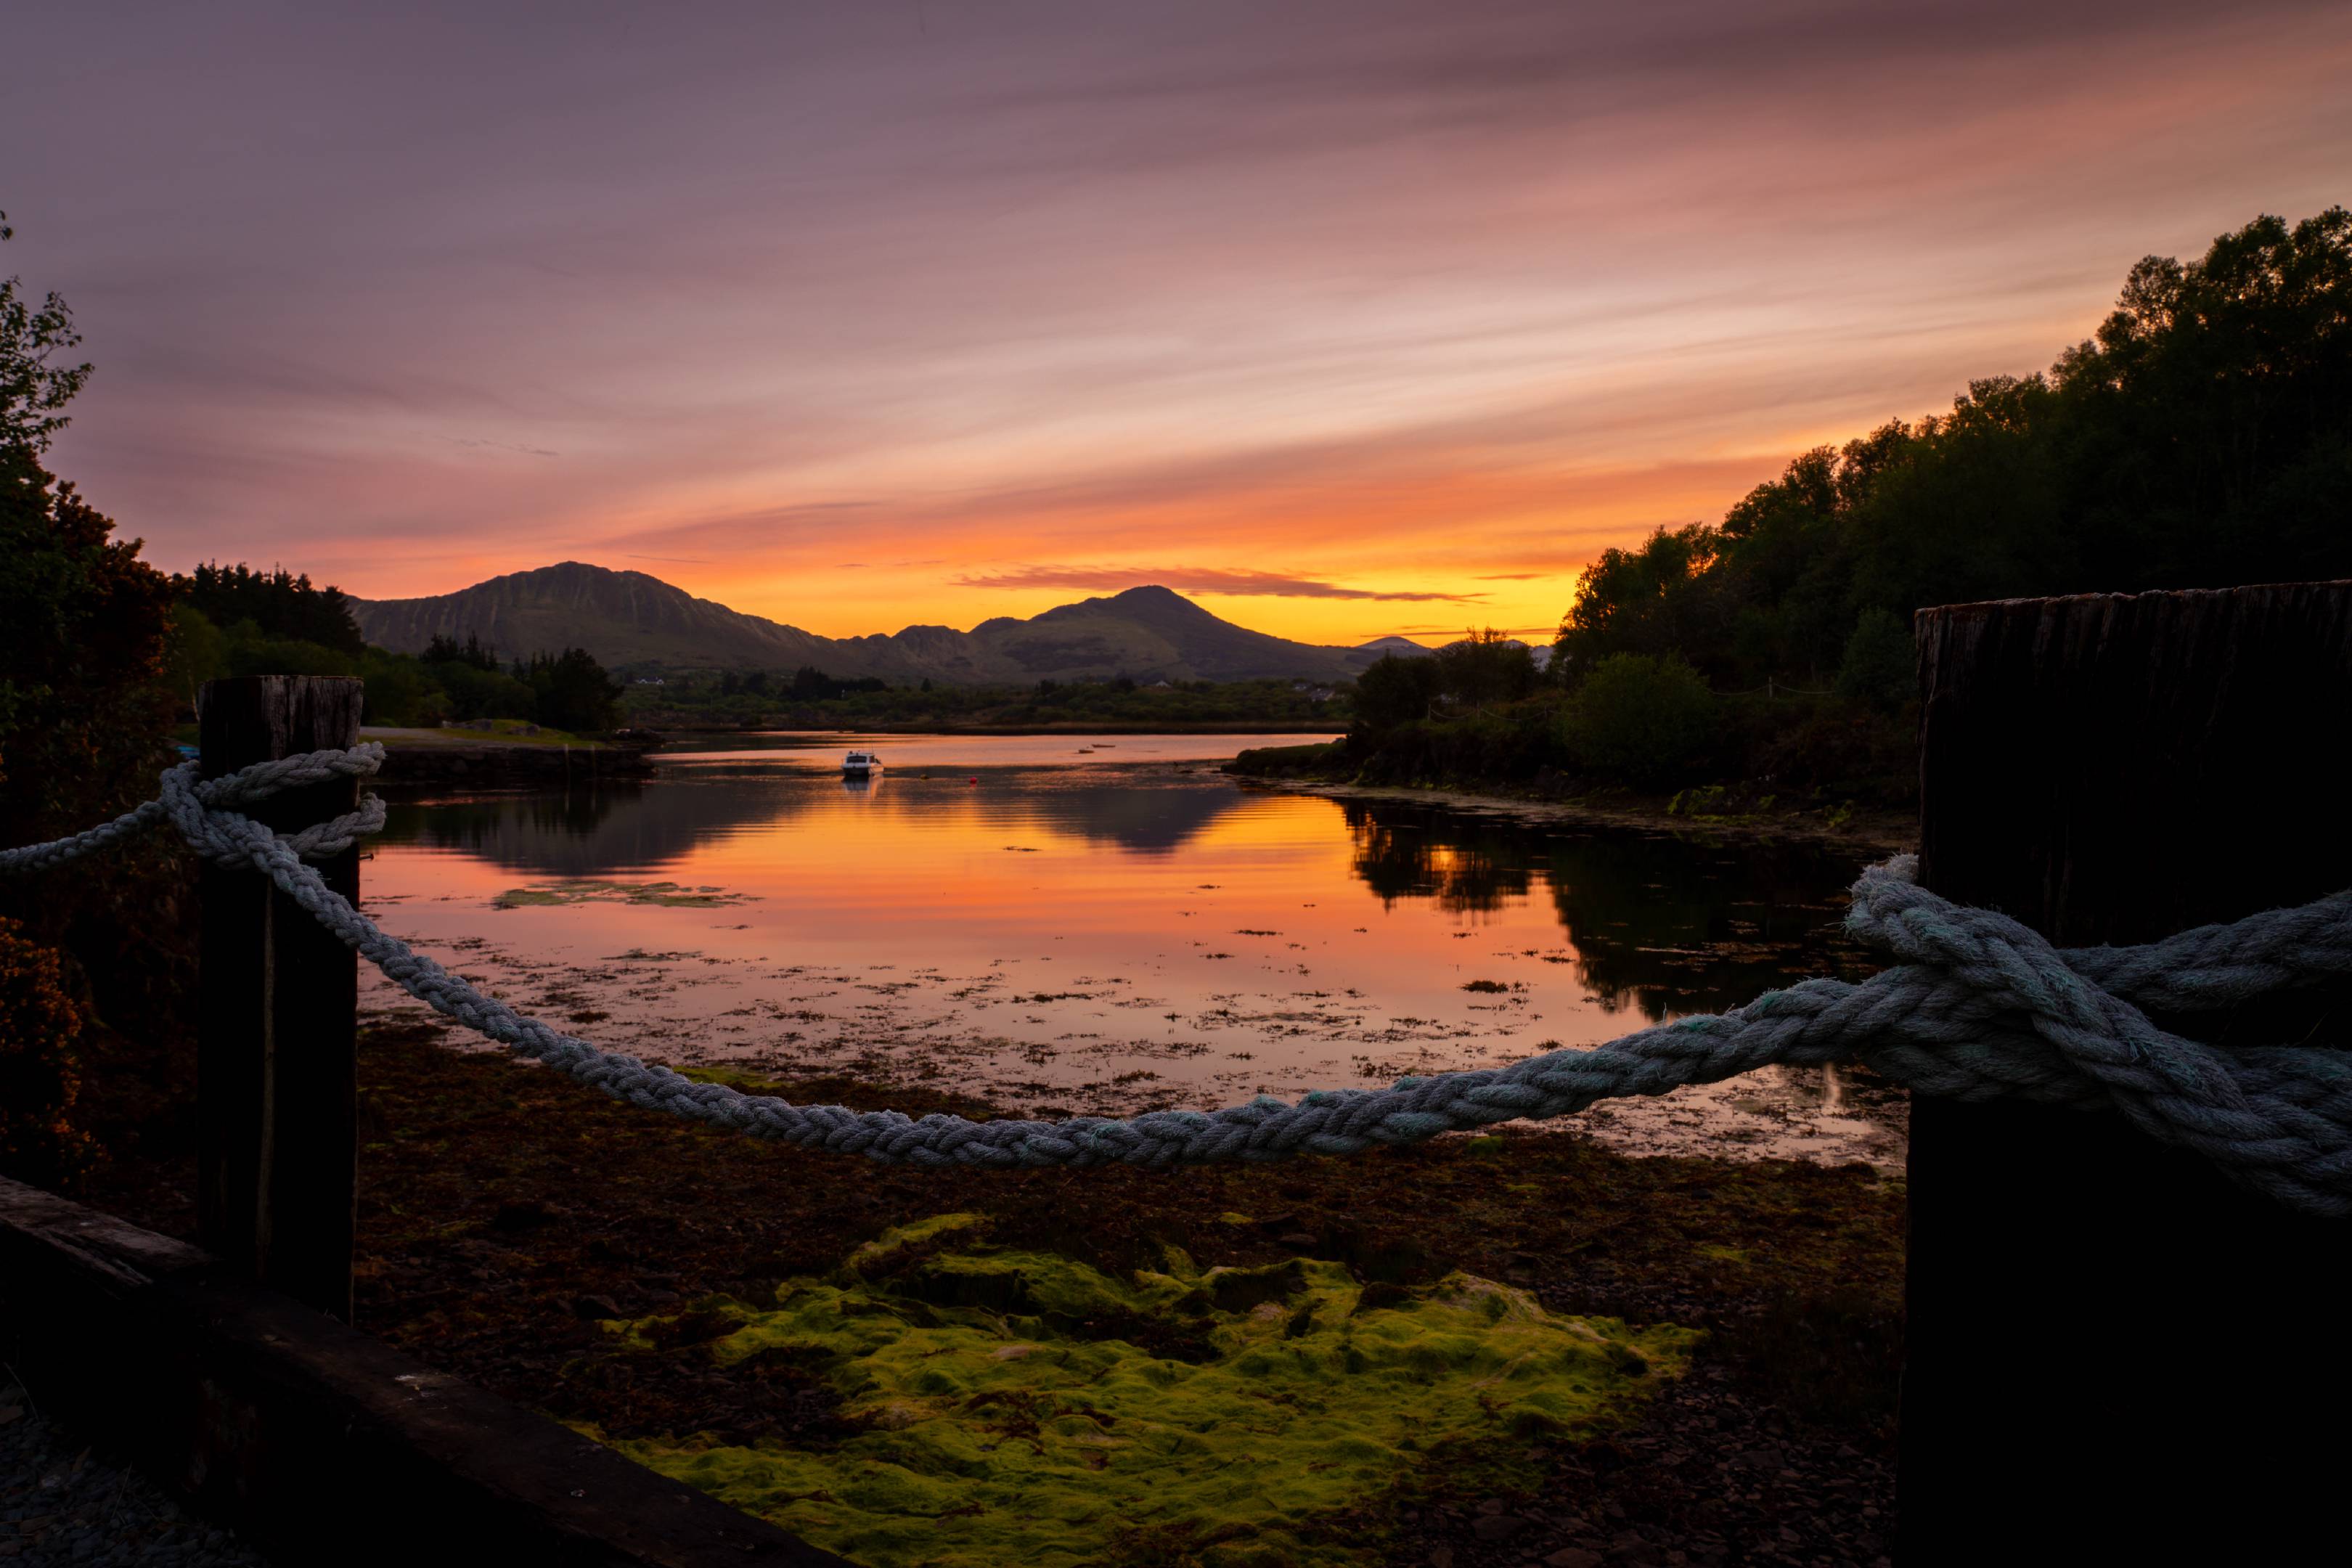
59,1503
1708,1477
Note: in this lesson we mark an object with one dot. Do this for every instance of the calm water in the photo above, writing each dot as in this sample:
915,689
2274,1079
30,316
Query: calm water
1106,924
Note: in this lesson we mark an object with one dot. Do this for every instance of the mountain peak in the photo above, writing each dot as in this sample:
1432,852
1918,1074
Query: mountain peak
635,619
1154,605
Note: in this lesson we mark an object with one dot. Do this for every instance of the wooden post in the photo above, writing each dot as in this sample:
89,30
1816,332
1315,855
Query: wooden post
2115,1353
275,1075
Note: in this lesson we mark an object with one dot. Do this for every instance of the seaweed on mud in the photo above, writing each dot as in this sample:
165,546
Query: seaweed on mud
507,1214
595,890
1003,1425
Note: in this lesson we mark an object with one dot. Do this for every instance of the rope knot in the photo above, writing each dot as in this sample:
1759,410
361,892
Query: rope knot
203,810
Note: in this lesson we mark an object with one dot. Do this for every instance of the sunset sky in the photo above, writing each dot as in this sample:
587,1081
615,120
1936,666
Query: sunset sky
1345,318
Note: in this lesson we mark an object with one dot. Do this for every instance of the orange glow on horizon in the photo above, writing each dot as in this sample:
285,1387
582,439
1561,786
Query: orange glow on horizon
1346,320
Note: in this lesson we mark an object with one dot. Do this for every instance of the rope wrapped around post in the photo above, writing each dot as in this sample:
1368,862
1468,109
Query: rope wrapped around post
1978,1007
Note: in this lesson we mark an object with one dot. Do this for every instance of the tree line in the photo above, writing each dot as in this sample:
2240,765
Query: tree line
806,684
238,620
96,966
2202,438
813,698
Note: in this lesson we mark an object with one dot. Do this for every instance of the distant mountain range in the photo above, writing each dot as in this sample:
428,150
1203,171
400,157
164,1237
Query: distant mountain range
630,620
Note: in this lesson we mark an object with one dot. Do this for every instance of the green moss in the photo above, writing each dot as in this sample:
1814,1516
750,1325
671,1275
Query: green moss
1020,1407
733,1077
584,891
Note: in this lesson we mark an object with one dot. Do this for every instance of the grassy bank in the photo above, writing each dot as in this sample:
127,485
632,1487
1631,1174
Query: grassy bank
651,1281
1330,768
483,733
952,726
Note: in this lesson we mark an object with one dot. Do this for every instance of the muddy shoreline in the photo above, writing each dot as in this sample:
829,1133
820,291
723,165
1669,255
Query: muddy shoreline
491,764
1879,832
1238,727
506,1215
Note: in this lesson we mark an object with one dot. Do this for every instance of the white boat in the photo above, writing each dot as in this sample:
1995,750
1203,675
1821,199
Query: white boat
860,766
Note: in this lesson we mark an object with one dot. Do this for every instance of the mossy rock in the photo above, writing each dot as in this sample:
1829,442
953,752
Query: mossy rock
1020,1407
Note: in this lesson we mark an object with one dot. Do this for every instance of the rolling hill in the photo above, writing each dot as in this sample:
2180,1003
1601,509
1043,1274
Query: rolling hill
630,620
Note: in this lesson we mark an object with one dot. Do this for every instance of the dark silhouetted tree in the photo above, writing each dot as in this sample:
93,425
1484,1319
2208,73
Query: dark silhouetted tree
35,386
85,704
473,653
1485,667
571,691
1395,691
2201,438
282,605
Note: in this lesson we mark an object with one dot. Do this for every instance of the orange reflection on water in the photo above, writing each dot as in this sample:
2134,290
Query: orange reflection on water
1065,934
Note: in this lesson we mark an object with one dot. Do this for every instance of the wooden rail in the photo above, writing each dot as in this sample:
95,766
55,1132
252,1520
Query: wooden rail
316,1443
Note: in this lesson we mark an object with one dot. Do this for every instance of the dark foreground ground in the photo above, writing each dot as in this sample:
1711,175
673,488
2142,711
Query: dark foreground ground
503,1210
61,1502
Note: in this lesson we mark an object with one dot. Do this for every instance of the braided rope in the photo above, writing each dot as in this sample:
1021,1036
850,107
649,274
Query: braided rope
190,804
1980,1007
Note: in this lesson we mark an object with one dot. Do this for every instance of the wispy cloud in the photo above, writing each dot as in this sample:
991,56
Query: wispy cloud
500,445
1196,580
1429,303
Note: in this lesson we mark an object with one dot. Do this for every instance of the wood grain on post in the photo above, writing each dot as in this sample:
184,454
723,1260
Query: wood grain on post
2114,1352
276,1081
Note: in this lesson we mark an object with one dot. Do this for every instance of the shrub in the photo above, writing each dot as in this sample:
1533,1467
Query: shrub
1831,749
1485,667
484,693
1393,691
401,692
571,690
1501,744
1878,668
1639,721
40,1077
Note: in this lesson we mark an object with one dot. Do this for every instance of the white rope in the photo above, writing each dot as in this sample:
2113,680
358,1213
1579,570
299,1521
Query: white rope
1980,1008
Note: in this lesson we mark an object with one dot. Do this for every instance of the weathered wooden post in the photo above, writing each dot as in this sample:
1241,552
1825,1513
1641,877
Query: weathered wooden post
276,1084
2115,1353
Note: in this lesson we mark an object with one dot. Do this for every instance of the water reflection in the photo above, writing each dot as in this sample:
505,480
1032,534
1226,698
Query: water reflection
1659,924
590,830
1111,936
1663,924
613,830
1467,864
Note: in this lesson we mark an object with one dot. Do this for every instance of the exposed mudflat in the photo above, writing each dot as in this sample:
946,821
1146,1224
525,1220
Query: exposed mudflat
603,1263
1666,1332
1102,938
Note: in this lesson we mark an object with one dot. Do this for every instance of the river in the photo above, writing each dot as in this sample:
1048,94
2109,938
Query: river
1103,924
